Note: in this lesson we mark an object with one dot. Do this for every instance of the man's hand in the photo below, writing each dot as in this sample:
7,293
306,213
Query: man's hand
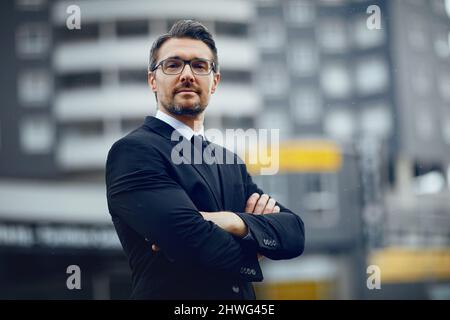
228,221
261,204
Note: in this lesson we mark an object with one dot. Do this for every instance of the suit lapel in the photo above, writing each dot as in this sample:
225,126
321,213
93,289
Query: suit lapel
225,174
165,130
204,172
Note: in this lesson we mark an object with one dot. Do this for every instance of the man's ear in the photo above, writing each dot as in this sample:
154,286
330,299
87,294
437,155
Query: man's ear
151,81
216,80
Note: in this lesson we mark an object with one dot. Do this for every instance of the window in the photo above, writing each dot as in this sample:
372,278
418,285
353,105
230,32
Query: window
421,78
157,25
234,29
34,87
340,124
445,129
276,119
371,75
236,76
132,28
241,122
417,33
80,80
88,31
442,43
332,2
365,38
83,129
303,58
36,135
376,119
273,79
447,7
425,126
335,80
270,33
444,85
32,40
333,35
306,106
267,3
320,199
133,77
300,12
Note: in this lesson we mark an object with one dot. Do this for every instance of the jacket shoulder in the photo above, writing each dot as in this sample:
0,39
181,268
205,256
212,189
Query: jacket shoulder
139,137
140,146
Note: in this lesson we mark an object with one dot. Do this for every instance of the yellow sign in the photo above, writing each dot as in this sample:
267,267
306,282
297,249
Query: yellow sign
304,156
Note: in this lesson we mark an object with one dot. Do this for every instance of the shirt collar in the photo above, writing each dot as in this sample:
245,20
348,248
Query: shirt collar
183,129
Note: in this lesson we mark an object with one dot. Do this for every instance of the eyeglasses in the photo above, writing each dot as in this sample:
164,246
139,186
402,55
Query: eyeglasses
173,66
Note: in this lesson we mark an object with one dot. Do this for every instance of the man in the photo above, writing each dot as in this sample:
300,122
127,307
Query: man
190,231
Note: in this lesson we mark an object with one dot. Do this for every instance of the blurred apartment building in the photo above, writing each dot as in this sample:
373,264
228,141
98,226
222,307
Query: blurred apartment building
73,92
326,72
329,71
67,95
311,68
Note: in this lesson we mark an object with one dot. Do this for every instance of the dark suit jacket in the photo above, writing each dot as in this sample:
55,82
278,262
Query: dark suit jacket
154,201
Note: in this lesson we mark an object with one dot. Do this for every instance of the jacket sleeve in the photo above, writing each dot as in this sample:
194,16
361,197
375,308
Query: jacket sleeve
141,192
276,236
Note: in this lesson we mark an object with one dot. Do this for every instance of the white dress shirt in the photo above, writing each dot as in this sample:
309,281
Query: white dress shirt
183,129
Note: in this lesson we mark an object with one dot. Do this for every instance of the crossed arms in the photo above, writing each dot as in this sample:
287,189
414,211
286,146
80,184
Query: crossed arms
142,194
232,223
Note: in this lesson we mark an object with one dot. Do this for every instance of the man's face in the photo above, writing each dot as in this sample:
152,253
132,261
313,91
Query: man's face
185,93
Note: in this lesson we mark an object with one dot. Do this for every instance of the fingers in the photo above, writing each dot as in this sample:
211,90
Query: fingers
261,204
269,206
251,203
155,247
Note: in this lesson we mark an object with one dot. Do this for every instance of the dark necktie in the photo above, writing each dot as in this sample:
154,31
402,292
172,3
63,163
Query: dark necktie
200,145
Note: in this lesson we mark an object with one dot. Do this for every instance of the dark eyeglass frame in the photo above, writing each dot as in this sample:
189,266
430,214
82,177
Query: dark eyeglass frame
213,66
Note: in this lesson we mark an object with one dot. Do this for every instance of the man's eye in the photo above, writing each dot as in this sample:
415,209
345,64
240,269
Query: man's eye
172,64
200,65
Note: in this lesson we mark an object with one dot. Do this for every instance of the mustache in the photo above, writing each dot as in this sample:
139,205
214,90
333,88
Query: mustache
186,87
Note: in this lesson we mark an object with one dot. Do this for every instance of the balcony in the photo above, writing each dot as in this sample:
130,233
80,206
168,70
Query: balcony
138,101
133,53
106,10
84,153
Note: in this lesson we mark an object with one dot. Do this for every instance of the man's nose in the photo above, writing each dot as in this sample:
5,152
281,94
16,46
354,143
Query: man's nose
187,74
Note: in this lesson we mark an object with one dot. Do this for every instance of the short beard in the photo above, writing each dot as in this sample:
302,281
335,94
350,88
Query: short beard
178,110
